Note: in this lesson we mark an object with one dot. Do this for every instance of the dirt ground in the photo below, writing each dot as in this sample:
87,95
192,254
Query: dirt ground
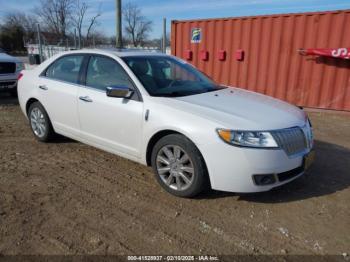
69,198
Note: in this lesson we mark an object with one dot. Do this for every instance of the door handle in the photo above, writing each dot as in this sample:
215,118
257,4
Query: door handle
85,98
43,87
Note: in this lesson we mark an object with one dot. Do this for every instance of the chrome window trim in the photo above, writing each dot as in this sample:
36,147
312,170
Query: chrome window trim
74,84
43,74
82,86
61,81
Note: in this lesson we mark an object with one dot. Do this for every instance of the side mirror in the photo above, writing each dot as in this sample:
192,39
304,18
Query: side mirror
119,91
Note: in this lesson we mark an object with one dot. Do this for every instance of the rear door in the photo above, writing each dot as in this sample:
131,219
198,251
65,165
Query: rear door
115,124
59,86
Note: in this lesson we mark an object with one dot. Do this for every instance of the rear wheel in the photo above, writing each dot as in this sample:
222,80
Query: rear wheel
40,123
179,166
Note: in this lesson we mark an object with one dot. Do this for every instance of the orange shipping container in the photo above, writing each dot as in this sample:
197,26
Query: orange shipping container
260,53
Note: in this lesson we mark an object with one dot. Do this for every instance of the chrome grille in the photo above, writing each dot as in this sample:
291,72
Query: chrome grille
291,140
7,67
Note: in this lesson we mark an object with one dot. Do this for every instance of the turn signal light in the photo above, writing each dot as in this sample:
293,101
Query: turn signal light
225,135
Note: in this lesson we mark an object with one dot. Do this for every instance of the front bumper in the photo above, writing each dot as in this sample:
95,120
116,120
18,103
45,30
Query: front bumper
8,82
232,168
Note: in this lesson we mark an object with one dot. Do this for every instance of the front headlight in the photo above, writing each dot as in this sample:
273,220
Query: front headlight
19,66
255,139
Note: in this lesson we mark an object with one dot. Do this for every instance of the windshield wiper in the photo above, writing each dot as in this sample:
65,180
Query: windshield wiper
188,93
176,94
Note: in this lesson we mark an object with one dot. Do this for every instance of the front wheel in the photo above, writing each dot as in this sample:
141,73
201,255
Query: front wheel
179,166
40,122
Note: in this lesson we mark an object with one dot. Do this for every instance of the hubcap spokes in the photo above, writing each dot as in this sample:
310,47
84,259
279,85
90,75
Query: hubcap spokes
38,122
175,167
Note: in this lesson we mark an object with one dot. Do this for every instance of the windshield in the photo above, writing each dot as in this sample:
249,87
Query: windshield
168,76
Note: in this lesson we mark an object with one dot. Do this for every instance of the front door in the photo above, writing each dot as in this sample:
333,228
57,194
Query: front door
112,123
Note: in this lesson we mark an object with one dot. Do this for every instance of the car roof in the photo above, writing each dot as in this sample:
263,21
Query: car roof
119,52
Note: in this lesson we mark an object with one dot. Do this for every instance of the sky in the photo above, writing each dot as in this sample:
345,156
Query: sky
155,10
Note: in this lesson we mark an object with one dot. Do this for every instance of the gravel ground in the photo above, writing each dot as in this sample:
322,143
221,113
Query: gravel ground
69,198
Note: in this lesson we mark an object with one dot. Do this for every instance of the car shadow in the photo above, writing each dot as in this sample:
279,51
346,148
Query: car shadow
59,139
7,99
329,173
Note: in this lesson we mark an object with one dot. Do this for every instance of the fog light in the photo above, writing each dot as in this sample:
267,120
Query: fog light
262,180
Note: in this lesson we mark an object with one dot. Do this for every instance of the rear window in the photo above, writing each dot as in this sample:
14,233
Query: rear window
65,68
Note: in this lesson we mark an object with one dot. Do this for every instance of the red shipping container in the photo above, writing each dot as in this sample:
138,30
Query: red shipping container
204,55
272,64
239,55
188,54
222,55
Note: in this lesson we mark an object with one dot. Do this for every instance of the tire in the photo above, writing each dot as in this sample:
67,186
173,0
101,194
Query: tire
176,174
40,123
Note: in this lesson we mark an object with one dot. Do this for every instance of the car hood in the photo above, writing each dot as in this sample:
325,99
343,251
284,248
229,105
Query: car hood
241,109
7,58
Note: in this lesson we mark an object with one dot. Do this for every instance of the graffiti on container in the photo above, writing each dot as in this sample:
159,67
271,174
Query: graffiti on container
196,35
341,52
330,52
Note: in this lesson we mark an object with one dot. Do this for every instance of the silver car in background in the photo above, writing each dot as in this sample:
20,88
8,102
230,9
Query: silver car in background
10,68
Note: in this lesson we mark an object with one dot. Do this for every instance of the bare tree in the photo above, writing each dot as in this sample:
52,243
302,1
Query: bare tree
98,38
27,22
93,23
79,17
16,28
56,15
137,26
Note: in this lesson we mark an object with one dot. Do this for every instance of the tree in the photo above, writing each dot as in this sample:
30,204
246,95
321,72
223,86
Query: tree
27,22
17,27
98,39
137,26
92,24
11,38
56,15
78,19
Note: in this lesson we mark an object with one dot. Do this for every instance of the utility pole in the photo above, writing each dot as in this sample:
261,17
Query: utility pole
164,36
118,24
39,44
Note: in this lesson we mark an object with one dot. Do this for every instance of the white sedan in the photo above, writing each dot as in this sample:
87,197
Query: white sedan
160,111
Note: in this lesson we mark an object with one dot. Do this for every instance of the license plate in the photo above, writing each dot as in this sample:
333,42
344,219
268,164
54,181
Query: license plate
309,159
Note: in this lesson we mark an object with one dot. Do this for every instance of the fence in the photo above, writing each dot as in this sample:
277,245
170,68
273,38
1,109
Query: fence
50,50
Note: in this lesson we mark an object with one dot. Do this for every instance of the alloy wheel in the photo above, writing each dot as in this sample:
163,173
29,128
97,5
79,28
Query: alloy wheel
175,167
38,122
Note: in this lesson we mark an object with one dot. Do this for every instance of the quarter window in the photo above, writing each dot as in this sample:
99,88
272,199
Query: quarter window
104,72
66,69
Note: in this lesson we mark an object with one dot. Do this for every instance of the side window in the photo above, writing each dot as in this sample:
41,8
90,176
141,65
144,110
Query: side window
65,68
103,72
